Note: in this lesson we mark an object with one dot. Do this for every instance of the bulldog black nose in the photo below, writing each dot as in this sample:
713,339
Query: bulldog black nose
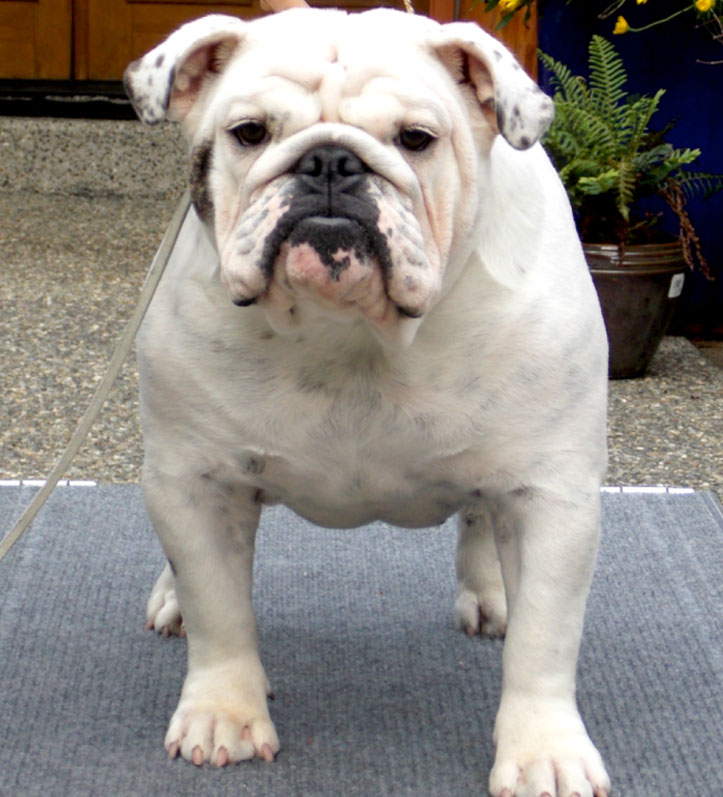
329,163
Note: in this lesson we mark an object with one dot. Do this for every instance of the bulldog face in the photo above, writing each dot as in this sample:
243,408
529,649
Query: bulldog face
339,161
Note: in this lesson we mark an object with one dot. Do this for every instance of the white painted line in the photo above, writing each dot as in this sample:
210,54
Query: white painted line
41,483
649,489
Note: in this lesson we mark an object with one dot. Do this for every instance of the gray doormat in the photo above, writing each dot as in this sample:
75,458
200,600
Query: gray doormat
376,692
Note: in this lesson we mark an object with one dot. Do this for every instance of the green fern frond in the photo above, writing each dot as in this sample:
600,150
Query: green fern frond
644,161
607,78
700,184
569,87
600,184
682,157
639,115
593,132
627,179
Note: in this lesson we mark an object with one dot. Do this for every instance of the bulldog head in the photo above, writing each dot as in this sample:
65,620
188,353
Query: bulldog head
339,160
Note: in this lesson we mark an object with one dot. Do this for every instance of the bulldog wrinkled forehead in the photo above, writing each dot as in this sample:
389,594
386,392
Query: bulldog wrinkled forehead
168,81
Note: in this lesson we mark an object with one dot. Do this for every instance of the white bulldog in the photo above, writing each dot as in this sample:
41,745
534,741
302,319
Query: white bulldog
378,309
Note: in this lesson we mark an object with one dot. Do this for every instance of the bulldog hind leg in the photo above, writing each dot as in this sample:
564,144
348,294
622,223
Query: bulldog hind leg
162,612
480,606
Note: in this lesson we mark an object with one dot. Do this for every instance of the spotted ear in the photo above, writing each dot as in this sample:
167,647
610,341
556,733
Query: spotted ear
511,101
167,81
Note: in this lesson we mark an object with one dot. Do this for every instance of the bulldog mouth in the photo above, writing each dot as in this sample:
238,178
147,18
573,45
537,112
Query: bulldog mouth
330,236
327,230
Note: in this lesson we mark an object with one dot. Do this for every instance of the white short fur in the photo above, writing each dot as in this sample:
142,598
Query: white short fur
467,375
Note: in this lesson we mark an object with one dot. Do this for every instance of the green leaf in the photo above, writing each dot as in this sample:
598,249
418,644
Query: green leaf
700,184
607,78
600,184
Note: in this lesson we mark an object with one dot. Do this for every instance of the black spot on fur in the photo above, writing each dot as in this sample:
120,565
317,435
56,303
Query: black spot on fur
159,61
252,465
501,117
201,160
523,493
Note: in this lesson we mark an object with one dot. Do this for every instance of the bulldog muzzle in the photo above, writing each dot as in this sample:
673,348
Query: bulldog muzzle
329,213
333,231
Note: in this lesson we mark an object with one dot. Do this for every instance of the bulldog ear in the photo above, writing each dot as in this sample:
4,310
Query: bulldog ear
166,81
511,101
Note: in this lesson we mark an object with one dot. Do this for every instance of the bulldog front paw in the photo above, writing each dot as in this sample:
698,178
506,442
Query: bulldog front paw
201,735
481,612
162,612
221,722
544,751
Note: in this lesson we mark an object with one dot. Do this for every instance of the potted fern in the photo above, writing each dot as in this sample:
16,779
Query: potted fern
614,167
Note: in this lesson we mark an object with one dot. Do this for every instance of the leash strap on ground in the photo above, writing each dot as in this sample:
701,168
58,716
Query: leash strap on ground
103,389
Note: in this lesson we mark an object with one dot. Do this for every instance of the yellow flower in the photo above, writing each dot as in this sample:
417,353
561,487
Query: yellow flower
621,26
506,6
704,5
641,2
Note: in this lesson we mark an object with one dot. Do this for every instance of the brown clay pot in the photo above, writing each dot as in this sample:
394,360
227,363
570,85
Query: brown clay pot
638,293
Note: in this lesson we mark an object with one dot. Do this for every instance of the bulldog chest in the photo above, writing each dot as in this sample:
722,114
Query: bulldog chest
342,485
346,451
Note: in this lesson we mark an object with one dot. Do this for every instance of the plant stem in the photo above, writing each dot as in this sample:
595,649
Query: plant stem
662,21
610,10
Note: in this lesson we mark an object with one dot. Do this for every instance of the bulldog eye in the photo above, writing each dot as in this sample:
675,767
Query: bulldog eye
415,139
250,134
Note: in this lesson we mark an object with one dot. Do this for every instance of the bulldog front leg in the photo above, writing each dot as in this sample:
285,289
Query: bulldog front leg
207,530
547,549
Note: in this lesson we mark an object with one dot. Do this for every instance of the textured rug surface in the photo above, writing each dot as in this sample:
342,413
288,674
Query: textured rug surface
376,692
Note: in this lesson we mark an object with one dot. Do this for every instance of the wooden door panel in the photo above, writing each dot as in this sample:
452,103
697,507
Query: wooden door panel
114,32
35,39
96,39
117,31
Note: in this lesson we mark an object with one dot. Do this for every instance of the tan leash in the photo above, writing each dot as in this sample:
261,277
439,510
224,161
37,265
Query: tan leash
122,348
